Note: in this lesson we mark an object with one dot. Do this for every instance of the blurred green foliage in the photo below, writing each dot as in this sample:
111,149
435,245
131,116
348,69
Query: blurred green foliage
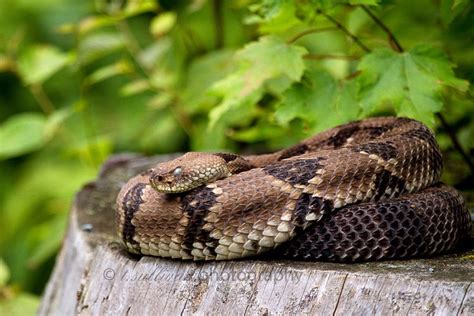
80,80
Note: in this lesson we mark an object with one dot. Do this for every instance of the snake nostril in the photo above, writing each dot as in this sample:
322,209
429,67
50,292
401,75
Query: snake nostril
158,178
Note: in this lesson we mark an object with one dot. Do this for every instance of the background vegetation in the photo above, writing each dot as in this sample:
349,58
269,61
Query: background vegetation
80,80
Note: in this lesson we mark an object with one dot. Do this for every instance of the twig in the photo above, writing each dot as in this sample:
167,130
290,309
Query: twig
329,56
310,31
345,30
394,43
218,23
353,75
42,98
455,141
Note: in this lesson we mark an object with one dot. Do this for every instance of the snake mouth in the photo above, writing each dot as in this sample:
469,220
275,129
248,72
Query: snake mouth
159,185
169,189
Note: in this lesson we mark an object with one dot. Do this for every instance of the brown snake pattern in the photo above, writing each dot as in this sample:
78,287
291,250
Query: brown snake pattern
366,190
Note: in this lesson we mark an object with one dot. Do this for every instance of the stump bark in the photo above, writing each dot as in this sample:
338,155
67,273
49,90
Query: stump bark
94,275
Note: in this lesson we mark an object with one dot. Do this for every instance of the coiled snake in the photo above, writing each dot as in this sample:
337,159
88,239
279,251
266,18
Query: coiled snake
366,190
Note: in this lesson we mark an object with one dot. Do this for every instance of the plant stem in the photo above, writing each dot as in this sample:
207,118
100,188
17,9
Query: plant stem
42,98
394,43
310,31
329,56
345,30
218,23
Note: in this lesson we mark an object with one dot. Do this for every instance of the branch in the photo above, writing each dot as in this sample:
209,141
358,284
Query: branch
455,141
310,31
346,31
218,22
329,56
394,43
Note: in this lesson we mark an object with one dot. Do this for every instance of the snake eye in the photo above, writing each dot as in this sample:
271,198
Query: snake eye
177,172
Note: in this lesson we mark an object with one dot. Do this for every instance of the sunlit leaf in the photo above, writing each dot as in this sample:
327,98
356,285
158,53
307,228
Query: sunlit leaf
273,16
39,63
94,22
162,23
136,7
121,67
410,82
135,87
160,101
22,134
260,61
268,58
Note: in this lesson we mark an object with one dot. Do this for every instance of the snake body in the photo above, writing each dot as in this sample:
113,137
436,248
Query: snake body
366,190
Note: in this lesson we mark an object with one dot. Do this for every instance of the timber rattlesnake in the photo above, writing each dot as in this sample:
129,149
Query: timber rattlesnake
366,190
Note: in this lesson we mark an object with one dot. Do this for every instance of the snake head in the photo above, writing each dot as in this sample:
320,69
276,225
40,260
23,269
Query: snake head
187,172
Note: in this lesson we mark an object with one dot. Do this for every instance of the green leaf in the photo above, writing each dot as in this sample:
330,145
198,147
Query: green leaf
162,23
138,7
271,57
156,52
97,45
135,87
94,22
121,67
320,101
21,134
260,61
273,16
39,63
411,82
160,101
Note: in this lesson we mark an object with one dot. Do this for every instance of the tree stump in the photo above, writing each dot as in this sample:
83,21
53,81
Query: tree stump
94,275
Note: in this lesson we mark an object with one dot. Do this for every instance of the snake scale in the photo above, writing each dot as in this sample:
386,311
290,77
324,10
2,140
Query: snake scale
366,190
